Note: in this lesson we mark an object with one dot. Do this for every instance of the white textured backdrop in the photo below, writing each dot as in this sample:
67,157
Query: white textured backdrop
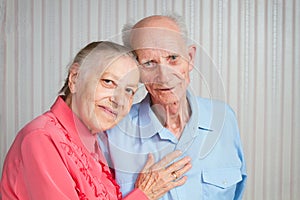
254,44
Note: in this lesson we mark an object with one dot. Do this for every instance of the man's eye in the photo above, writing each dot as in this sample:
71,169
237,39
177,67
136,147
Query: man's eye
173,57
149,64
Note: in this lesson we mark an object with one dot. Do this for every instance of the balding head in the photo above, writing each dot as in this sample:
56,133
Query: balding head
158,21
157,32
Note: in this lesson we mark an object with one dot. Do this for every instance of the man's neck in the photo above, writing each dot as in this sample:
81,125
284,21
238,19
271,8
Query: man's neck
173,116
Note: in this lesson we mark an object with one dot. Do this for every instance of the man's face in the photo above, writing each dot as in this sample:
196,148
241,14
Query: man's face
164,73
102,102
165,59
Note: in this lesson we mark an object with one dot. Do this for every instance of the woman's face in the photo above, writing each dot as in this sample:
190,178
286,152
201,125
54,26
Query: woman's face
104,101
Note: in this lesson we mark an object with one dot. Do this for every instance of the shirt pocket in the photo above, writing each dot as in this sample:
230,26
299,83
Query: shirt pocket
220,183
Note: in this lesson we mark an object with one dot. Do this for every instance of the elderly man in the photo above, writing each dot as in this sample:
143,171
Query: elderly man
171,118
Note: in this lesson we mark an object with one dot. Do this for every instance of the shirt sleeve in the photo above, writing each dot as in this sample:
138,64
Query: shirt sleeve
45,173
136,194
240,188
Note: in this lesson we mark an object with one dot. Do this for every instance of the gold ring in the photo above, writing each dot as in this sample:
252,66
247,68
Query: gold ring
174,174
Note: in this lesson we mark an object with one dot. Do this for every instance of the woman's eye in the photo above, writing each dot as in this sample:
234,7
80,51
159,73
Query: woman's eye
130,91
108,83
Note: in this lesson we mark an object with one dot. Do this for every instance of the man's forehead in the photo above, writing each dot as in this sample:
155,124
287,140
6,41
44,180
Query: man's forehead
153,53
158,38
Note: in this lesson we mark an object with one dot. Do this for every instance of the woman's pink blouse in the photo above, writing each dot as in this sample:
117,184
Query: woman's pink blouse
49,161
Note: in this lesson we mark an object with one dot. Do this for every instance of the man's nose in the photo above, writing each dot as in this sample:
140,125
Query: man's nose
163,73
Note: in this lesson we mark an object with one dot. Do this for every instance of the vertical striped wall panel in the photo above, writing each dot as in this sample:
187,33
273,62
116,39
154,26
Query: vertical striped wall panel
251,49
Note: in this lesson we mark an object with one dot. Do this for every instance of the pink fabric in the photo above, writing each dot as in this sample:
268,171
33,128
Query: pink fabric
49,161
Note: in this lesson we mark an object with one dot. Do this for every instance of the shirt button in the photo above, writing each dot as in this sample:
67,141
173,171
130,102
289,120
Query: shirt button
224,182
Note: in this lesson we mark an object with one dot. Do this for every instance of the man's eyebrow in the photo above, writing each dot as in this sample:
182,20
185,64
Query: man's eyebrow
171,54
146,60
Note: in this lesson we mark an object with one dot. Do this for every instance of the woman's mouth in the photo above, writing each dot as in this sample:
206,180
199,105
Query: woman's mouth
108,110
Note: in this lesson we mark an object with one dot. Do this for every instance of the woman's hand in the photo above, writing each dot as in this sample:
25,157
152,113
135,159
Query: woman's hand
158,178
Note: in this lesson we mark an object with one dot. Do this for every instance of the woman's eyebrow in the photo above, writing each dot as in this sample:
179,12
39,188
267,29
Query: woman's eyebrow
110,74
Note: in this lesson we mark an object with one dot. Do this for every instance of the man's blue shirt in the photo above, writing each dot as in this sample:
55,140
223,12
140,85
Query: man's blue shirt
211,138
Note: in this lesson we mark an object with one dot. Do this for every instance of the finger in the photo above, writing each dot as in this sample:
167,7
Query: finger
178,182
178,164
175,175
166,160
144,180
149,163
169,186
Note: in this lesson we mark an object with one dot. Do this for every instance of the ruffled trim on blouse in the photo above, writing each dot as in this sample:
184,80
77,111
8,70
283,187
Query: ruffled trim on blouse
81,160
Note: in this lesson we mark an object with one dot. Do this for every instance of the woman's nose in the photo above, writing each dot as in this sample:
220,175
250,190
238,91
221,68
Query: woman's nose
118,97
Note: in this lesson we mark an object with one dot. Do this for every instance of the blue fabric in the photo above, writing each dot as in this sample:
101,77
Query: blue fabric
211,138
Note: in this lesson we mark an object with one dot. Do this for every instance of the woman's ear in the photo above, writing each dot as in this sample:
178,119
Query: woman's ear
191,54
73,75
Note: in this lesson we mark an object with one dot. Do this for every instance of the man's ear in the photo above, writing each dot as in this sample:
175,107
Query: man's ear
73,75
191,56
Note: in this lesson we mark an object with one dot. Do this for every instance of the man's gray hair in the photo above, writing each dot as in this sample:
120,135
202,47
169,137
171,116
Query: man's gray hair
179,21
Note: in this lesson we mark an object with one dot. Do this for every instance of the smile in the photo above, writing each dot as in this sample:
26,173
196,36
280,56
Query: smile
108,110
164,89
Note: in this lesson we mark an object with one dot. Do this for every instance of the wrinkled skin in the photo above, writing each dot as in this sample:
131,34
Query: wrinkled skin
156,179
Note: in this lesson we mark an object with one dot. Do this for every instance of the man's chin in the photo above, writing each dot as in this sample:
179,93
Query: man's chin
167,99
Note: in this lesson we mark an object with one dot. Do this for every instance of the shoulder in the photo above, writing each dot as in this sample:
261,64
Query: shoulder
41,123
210,103
216,115
220,118
214,106
42,127
34,135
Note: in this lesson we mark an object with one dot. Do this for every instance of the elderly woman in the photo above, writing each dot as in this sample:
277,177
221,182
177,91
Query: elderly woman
56,155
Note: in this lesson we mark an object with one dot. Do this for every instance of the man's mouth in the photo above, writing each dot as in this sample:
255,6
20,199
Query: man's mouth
165,89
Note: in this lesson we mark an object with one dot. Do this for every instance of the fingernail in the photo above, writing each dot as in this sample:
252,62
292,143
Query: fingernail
150,155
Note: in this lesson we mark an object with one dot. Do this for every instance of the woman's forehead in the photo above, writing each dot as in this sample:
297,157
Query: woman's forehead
121,66
97,62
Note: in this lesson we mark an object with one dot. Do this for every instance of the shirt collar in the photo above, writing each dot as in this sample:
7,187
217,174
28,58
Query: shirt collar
148,122
64,114
150,125
73,124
